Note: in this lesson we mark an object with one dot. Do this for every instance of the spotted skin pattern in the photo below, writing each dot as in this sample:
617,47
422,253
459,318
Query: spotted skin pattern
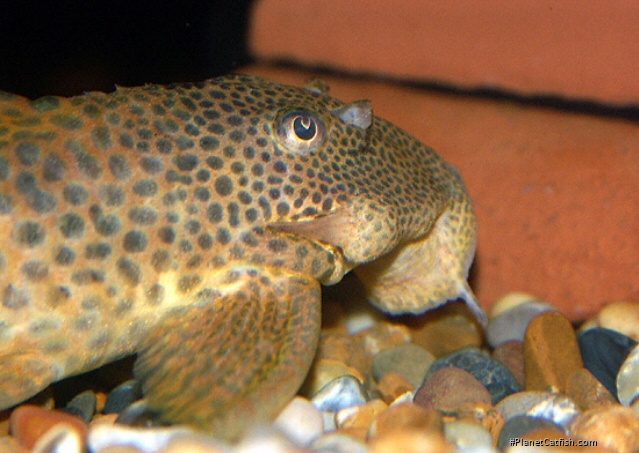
193,224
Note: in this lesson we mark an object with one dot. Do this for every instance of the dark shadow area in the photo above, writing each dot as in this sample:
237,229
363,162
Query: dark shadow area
67,47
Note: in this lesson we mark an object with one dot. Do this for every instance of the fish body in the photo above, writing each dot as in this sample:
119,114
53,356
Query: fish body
194,223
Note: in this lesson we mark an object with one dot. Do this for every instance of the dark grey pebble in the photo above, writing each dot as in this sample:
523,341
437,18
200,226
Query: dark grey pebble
517,426
603,351
122,397
138,415
82,405
498,379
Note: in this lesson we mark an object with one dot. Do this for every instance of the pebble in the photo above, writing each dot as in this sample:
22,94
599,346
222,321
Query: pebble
104,419
551,352
29,423
510,317
10,445
383,335
341,392
409,360
603,351
338,443
511,354
587,392
510,300
4,422
412,442
137,415
613,427
628,378
554,407
622,316
328,418
82,405
467,435
482,414
407,397
61,438
346,349
392,385
555,435
493,375
300,421
195,443
145,440
446,329
449,387
122,396
405,417
360,416
519,426
324,371
360,313
266,440
367,383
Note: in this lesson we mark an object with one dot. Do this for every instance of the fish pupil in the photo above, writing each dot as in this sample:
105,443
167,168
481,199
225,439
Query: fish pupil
304,127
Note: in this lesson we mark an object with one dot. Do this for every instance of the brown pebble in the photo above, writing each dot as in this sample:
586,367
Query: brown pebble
392,385
405,417
484,414
446,329
449,387
104,419
344,348
614,427
511,354
29,423
587,392
551,352
383,335
100,400
546,433
360,416
10,445
411,442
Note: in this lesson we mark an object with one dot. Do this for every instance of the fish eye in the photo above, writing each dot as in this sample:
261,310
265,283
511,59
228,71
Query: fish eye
301,132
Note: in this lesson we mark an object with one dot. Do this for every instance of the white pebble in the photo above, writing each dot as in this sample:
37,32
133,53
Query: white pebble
147,440
265,440
341,392
468,436
628,378
300,421
555,407
60,438
338,443
196,443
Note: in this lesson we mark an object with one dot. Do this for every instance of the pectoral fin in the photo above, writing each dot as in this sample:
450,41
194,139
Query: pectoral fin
236,357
